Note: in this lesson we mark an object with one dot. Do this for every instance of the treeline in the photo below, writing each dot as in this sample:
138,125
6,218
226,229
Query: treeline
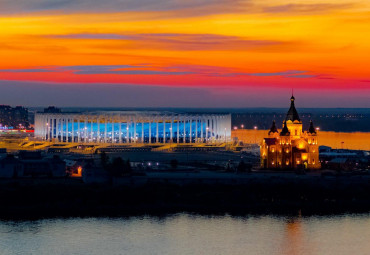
35,200
117,167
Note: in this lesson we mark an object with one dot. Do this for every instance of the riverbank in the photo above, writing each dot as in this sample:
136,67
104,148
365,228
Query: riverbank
345,140
32,198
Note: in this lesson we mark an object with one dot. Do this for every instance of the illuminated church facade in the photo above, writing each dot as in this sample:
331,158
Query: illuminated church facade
292,148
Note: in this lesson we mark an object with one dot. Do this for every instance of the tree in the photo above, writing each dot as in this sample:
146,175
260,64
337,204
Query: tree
104,160
128,168
228,167
118,167
243,167
174,163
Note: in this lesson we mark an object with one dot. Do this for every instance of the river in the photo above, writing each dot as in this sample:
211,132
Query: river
189,234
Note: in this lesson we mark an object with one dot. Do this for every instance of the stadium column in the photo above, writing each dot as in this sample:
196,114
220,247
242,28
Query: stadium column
171,130
98,132
78,129
127,130
157,132
207,128
216,128
112,120
73,129
150,130
142,131
64,127
60,120
56,128
85,128
46,123
61,129
201,130
47,127
164,130
184,139
213,134
190,129
196,129
120,129
105,129
67,122
91,129
135,129
178,129
51,128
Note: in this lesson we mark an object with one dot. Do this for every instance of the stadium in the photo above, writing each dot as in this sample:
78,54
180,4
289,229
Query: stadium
120,127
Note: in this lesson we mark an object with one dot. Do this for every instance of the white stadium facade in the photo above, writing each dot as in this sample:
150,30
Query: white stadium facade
119,127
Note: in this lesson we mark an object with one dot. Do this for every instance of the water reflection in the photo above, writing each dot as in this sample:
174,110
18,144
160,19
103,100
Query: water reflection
189,234
293,242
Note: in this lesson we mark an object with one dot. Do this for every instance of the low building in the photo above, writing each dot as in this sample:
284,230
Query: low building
31,164
10,167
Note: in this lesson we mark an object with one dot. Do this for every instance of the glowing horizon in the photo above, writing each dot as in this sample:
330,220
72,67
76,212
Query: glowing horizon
225,51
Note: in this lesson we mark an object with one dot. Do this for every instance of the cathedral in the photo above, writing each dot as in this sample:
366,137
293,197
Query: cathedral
292,148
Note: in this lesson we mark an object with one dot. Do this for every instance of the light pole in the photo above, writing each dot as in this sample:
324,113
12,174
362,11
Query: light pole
255,134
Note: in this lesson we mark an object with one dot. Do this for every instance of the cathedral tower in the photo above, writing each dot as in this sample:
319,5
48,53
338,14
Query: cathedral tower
292,148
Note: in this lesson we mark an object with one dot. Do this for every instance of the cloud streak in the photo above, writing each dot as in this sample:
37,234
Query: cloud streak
306,8
25,6
182,42
213,71
184,8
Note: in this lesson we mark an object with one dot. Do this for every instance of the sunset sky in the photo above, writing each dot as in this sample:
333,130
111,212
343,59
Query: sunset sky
185,53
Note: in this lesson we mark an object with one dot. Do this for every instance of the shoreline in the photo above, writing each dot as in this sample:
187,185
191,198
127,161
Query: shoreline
48,198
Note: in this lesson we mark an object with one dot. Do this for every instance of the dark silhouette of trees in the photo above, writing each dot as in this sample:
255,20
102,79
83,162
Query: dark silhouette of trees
117,167
128,169
243,167
174,163
104,159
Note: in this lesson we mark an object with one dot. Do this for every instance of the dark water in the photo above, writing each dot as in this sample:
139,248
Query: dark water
187,234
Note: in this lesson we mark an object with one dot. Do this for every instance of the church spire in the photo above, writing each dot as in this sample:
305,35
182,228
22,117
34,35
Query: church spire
273,128
292,113
312,128
285,130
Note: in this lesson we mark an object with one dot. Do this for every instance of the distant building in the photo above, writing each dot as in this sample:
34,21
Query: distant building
15,117
292,148
52,109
